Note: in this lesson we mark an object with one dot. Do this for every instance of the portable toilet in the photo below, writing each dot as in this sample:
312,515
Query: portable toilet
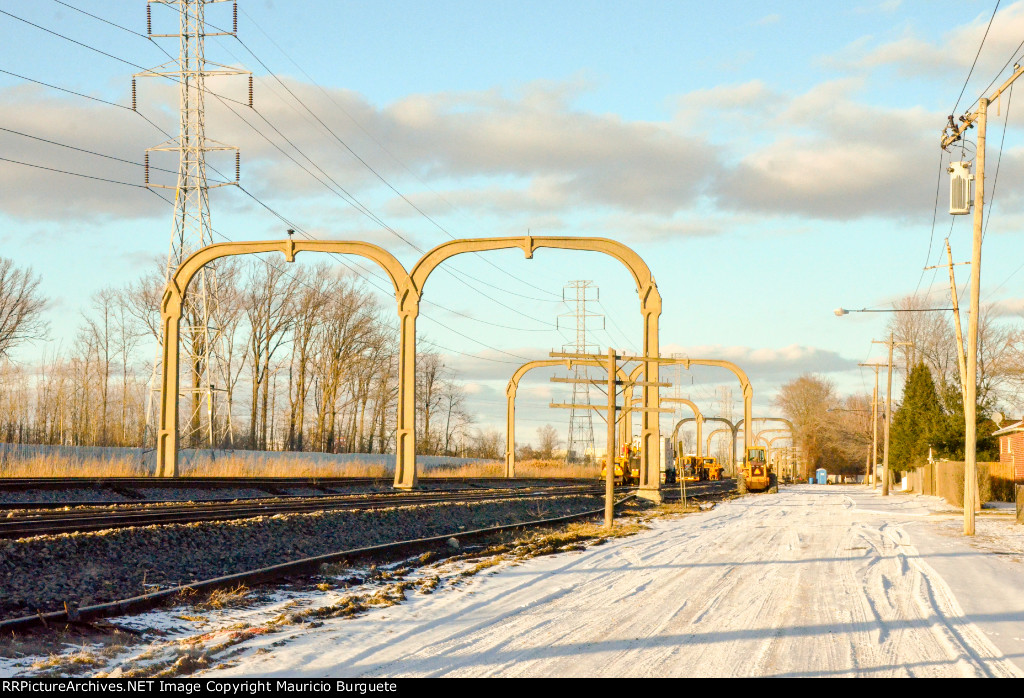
822,476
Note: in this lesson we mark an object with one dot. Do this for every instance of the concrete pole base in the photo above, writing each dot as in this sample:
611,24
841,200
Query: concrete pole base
652,494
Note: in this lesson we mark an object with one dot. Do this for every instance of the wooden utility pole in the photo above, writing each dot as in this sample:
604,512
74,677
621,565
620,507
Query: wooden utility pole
888,413
609,479
971,394
971,380
874,428
954,297
956,323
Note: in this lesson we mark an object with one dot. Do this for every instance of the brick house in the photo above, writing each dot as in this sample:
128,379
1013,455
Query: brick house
1011,448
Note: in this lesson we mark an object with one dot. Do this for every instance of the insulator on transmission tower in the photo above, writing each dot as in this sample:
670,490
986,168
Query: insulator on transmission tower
234,19
238,166
133,90
250,91
960,188
149,19
147,170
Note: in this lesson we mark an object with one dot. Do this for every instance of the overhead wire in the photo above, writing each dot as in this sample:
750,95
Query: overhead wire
976,55
452,272
354,202
75,174
129,184
297,280
379,144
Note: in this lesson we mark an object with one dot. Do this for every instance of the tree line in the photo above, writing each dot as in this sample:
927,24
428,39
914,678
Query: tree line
309,363
835,432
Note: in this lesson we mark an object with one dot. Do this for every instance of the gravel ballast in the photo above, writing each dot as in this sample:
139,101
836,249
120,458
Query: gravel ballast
42,573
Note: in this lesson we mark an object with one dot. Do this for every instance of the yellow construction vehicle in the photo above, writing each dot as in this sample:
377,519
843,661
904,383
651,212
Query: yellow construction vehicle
690,468
701,468
627,465
713,469
756,475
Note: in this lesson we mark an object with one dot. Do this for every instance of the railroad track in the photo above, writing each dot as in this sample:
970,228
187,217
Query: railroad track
131,489
21,523
303,567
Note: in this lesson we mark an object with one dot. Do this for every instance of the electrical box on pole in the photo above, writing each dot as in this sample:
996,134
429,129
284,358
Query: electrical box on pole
960,188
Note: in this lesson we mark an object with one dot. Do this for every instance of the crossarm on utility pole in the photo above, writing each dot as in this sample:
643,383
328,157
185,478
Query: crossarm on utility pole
968,119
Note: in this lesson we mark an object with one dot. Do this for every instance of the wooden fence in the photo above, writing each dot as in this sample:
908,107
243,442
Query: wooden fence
946,479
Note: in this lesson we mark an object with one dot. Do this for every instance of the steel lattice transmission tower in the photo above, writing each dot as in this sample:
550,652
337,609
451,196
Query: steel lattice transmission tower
209,417
578,294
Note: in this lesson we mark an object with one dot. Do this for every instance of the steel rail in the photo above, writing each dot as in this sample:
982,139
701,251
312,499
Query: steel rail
57,483
308,566
57,522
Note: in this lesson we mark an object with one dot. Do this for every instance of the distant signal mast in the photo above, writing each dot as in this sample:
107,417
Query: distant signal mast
203,334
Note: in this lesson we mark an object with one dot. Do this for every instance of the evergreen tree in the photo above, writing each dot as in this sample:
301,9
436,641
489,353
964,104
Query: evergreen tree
917,422
948,439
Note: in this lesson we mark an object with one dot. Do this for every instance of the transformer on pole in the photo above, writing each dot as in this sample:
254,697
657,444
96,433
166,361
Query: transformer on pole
580,443
209,421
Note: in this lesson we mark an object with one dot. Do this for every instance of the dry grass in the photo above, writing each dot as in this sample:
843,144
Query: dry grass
240,465
57,466
226,598
223,466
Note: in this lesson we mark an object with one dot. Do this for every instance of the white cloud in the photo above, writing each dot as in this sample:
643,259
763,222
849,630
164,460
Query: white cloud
953,54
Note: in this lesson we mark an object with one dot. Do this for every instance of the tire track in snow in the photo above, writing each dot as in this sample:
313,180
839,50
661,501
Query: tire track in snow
800,583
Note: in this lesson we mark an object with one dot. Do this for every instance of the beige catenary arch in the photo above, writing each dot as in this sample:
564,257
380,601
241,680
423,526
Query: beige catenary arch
687,420
626,423
513,388
715,433
760,434
170,320
408,292
748,390
771,442
650,307
697,417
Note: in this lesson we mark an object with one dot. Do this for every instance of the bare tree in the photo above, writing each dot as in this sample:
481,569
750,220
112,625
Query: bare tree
547,441
806,401
21,307
268,302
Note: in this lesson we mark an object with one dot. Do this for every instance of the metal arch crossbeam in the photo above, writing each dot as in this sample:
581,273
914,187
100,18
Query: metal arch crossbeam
748,390
743,422
715,433
761,433
513,388
650,307
408,291
171,310
697,417
731,426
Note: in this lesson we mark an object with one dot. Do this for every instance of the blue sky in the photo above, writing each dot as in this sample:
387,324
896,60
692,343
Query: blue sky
771,161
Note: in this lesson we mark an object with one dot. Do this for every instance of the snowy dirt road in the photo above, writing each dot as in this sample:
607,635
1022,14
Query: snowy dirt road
816,581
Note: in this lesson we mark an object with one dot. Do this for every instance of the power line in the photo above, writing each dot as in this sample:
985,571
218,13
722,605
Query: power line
383,180
354,202
247,192
980,46
82,150
75,174
382,147
366,210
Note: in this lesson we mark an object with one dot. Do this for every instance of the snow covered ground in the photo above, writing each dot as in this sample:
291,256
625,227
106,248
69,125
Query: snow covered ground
816,581
813,582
